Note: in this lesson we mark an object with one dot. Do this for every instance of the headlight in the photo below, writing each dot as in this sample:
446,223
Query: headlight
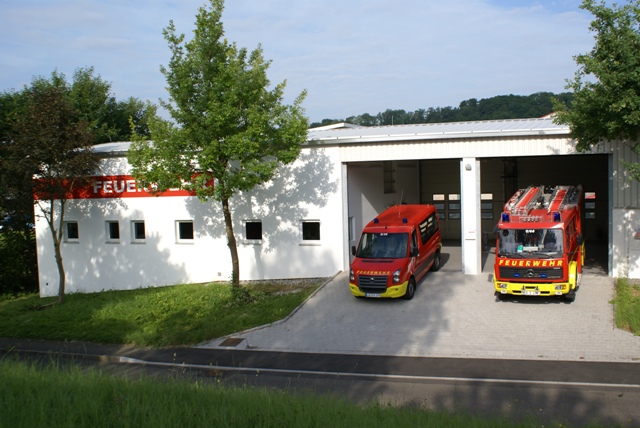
352,275
560,287
501,285
396,276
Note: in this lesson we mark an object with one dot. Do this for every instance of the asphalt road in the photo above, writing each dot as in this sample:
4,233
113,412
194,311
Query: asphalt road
569,392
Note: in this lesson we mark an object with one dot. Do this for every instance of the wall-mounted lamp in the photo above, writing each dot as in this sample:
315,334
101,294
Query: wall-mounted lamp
468,167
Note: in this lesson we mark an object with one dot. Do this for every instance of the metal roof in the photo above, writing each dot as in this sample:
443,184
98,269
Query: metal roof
478,129
344,133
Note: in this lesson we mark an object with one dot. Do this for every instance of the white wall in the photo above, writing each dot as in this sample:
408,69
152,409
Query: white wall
626,243
309,189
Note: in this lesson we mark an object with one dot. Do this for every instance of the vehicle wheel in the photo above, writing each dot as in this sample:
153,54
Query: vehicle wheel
501,296
570,296
436,262
411,289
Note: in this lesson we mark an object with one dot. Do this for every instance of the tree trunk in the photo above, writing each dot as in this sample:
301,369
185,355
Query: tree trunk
231,242
58,255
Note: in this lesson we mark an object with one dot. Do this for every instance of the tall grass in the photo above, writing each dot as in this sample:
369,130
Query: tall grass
178,315
627,305
34,396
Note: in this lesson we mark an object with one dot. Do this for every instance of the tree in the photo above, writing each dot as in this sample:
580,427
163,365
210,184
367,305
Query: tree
46,141
229,129
606,86
91,101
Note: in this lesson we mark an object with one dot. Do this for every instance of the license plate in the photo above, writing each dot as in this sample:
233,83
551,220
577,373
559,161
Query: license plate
530,293
372,295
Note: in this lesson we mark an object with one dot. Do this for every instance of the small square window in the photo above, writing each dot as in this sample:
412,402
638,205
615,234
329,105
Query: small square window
71,231
185,230
113,231
253,230
310,230
137,227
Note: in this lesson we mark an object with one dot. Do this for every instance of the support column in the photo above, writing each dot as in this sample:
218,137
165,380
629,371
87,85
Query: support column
344,180
470,208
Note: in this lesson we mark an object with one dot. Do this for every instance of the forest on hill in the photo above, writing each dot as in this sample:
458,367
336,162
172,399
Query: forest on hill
494,108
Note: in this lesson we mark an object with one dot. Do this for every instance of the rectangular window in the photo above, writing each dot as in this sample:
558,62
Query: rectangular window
137,229
310,230
184,230
389,177
113,231
71,231
253,230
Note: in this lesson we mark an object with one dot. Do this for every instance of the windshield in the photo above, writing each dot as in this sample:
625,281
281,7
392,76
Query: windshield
383,245
540,243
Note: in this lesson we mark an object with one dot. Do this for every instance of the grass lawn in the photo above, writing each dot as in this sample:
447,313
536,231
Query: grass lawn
51,396
164,316
627,305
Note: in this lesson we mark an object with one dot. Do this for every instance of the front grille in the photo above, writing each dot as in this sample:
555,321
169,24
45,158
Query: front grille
372,284
530,273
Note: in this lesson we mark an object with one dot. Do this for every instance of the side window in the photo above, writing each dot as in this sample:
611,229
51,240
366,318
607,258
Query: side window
184,231
71,231
424,231
310,232
113,231
138,231
253,230
433,223
414,241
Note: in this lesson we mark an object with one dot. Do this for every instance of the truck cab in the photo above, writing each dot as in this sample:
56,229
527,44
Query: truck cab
396,249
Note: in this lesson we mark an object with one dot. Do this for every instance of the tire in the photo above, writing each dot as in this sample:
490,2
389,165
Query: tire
411,290
570,296
436,262
501,297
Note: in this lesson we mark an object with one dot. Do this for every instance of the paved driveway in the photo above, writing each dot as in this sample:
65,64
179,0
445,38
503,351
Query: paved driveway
453,315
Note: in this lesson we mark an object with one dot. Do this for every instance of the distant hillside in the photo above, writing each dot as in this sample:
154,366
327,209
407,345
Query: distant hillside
499,107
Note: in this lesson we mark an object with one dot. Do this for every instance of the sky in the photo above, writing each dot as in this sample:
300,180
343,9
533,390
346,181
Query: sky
352,57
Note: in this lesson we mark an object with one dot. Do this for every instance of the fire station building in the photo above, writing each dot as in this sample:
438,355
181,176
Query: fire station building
303,223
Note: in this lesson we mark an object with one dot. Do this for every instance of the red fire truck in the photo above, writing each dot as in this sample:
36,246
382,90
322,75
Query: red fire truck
540,247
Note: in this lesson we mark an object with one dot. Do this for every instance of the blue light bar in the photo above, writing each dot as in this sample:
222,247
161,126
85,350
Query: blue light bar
556,216
376,221
404,220
505,217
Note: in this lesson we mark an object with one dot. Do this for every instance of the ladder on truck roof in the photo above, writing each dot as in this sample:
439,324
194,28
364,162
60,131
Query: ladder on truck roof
564,197
522,202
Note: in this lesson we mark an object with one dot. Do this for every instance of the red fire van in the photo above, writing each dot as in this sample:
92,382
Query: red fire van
395,251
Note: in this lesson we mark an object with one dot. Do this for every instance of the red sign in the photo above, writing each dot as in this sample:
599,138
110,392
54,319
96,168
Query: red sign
529,263
119,186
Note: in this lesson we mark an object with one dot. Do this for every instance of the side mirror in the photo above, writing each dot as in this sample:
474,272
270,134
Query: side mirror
353,250
413,252
580,239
